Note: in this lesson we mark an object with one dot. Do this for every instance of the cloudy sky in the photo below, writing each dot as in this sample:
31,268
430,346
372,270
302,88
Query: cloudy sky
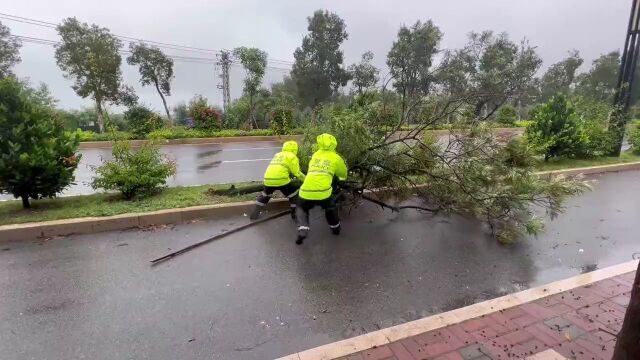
593,27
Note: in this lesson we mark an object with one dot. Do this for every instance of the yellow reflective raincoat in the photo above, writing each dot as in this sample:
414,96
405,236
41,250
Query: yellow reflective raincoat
283,166
324,165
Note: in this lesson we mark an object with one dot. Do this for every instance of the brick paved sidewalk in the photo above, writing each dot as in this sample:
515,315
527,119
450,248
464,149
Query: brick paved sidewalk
579,324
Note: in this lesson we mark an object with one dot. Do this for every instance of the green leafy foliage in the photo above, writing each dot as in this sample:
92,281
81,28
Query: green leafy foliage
180,113
179,132
411,57
560,76
507,114
142,120
282,120
134,173
9,51
204,116
37,157
634,138
155,68
473,173
556,130
254,62
89,56
318,71
364,74
518,153
237,114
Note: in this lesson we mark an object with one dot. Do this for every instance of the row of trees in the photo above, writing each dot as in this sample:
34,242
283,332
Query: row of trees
490,63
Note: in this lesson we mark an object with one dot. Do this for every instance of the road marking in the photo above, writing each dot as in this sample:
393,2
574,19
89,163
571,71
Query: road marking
248,160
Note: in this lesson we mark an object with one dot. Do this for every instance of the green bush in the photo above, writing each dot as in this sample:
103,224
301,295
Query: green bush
518,153
205,117
184,133
598,140
522,123
634,138
37,156
142,120
507,114
556,130
107,136
134,173
282,120
237,114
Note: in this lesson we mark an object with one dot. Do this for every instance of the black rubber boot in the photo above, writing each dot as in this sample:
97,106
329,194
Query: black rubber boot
255,214
335,231
300,239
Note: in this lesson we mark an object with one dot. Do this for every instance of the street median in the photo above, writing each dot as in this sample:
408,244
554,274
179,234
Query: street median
87,225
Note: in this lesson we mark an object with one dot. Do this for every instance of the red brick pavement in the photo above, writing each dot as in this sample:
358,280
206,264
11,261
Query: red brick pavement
579,324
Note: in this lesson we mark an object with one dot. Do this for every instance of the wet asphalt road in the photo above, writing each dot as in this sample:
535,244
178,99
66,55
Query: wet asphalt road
196,164
255,295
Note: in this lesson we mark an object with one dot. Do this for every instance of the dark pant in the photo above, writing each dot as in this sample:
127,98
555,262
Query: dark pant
290,191
330,213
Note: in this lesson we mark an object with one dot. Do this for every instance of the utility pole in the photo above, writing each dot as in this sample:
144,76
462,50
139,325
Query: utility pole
628,64
224,62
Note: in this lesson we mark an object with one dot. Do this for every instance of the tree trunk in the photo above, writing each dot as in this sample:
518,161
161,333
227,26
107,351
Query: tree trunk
164,102
25,202
252,120
100,118
628,344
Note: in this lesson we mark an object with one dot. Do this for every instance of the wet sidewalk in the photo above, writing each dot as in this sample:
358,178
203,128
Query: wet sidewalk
581,323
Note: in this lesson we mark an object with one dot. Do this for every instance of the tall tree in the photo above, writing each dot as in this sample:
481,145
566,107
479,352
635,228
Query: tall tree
254,62
155,68
410,60
318,69
9,51
89,56
364,74
560,76
599,83
499,67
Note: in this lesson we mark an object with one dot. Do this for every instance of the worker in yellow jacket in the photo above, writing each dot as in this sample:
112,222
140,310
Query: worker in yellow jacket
325,167
283,167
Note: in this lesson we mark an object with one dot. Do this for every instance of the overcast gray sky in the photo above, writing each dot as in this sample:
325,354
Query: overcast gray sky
593,27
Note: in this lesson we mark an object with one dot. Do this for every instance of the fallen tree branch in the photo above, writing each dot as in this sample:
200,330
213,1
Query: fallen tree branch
397,208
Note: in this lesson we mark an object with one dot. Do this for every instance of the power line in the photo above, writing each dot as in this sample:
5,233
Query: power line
130,39
199,60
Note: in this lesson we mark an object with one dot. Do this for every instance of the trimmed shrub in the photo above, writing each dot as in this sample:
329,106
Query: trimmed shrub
556,130
134,173
507,115
142,120
37,156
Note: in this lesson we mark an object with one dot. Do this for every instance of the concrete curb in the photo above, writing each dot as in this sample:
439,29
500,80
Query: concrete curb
89,225
593,169
184,215
392,334
192,141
